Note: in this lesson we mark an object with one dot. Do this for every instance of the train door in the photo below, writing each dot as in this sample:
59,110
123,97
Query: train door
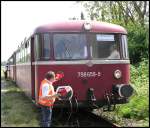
14,67
32,68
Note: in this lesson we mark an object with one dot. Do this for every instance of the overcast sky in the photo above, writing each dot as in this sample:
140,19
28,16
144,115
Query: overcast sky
20,18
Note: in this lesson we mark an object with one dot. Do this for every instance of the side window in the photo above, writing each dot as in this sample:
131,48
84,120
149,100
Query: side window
46,46
21,55
25,57
124,47
16,57
22,51
28,51
37,43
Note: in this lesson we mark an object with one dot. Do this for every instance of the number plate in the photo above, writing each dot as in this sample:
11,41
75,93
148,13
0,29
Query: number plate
89,74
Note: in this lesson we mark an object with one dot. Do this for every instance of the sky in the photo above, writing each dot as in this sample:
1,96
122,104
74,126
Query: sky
19,19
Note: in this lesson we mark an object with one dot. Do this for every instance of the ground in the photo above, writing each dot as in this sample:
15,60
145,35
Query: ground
16,109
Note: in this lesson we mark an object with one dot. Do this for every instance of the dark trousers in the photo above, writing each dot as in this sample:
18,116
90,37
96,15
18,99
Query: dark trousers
46,116
5,73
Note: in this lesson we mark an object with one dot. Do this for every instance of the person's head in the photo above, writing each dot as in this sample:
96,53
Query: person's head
113,48
50,76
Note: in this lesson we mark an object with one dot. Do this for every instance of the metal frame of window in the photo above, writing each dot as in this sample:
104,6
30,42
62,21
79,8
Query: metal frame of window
124,45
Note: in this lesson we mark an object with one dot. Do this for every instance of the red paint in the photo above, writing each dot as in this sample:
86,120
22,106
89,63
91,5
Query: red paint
77,26
29,77
99,84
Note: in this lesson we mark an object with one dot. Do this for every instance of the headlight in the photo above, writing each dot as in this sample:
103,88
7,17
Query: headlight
87,26
117,74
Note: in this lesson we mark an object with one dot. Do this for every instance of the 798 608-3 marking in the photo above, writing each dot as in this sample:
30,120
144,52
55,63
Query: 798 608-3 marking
89,74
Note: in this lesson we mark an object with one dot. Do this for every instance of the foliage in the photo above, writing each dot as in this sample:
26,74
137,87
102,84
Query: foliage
136,12
139,102
138,43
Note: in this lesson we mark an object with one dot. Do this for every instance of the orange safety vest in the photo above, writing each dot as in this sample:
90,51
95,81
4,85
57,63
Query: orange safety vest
46,102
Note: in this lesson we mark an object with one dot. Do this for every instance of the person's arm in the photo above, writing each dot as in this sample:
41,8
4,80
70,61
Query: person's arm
50,97
45,95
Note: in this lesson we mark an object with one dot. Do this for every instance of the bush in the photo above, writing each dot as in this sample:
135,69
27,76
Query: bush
138,107
137,43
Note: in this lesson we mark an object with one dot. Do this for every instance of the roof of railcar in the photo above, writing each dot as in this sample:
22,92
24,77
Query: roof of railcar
77,26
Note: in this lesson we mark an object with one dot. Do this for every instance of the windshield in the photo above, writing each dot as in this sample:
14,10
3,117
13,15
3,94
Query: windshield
104,46
70,46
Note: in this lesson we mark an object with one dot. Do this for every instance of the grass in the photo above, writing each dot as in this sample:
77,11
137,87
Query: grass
16,109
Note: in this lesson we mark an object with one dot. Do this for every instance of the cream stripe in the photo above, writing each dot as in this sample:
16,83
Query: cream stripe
29,63
81,62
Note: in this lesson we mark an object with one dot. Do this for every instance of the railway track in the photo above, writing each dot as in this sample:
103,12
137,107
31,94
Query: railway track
81,118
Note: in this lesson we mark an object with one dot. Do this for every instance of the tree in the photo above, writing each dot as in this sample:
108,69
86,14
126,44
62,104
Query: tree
135,12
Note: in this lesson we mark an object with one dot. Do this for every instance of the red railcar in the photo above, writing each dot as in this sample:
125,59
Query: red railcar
92,55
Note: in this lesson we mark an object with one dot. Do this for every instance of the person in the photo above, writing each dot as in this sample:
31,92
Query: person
114,54
5,71
47,97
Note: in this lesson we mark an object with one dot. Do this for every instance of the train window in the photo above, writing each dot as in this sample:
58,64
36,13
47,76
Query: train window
104,46
28,51
25,54
20,55
37,46
46,46
70,46
26,44
16,57
124,47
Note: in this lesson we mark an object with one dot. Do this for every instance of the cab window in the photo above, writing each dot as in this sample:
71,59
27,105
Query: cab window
104,46
46,46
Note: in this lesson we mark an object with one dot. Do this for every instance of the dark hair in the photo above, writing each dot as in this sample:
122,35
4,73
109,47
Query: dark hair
50,75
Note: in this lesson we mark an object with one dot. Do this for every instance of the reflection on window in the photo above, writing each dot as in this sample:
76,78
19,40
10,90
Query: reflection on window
70,46
124,46
37,46
104,46
46,46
